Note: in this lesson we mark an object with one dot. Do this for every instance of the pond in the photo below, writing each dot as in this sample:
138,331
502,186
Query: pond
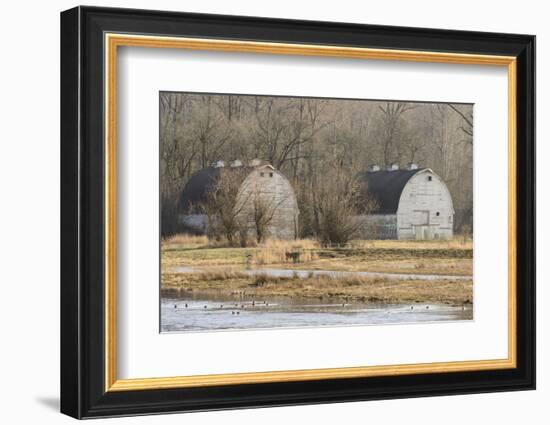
208,312
276,272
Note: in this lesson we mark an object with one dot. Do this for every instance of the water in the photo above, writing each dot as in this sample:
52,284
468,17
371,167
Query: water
332,273
207,312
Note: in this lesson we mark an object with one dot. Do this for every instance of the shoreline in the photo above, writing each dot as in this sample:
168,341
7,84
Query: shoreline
363,271
238,285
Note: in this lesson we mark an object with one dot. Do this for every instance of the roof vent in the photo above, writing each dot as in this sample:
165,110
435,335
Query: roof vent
218,164
412,166
373,168
393,166
236,163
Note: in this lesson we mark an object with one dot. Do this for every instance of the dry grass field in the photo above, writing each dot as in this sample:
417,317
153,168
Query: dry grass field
452,257
221,269
348,289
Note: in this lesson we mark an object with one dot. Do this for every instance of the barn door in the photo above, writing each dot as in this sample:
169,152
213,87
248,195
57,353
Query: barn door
421,224
423,233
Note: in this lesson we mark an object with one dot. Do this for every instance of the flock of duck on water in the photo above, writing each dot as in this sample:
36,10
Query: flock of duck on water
266,304
234,312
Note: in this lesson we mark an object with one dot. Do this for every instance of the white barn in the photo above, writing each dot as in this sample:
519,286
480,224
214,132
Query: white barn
413,203
260,182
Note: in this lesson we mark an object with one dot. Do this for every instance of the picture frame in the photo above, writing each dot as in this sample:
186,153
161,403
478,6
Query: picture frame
90,40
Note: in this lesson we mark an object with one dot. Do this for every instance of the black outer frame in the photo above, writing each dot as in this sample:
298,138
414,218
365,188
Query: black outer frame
82,212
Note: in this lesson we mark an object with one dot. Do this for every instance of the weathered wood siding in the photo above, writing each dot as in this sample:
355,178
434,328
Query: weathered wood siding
425,209
271,187
277,193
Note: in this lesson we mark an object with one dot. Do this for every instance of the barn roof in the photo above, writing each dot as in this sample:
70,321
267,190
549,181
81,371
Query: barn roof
386,186
196,190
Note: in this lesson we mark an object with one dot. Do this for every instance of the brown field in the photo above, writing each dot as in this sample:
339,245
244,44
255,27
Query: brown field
416,257
349,289
221,269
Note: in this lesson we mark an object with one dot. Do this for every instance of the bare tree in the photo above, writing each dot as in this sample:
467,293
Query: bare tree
262,214
282,127
211,130
303,138
176,155
339,204
391,114
413,146
466,112
264,208
224,205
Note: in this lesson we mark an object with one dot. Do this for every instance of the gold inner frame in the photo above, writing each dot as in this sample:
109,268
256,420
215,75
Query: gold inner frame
113,41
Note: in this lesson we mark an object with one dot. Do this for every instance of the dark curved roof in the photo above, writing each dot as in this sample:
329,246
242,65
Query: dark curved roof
386,187
195,191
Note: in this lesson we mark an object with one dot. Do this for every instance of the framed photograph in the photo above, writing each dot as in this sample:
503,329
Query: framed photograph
261,212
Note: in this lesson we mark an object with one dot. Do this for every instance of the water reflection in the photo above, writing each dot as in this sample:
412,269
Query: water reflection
276,272
201,312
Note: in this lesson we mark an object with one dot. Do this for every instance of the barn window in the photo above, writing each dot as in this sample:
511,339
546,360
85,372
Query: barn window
261,174
270,174
429,178
437,214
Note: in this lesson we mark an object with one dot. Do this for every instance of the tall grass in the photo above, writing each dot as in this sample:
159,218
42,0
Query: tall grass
358,288
291,244
272,251
277,251
214,274
186,239
458,242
